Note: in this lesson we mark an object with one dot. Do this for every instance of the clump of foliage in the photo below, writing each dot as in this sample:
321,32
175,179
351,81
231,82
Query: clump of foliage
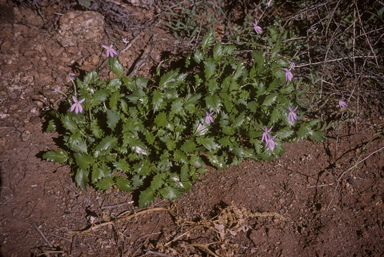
157,137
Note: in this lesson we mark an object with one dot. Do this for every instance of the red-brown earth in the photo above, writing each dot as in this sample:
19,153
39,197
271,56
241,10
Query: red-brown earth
41,206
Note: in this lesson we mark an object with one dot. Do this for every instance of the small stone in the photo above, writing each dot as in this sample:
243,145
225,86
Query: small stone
35,120
26,135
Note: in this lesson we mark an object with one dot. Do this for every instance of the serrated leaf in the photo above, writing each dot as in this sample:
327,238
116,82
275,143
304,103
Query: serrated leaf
198,56
77,144
137,146
105,183
98,97
169,193
112,119
161,120
209,68
273,85
179,156
189,146
137,181
141,82
170,143
177,106
199,129
196,161
106,144
225,141
114,99
146,198
217,52
238,120
116,67
99,172
270,99
239,70
96,130
260,90
213,86
218,162
317,136
114,84
303,132
184,173
83,160
122,165
213,103
59,156
157,100
228,130
81,178
69,124
208,143
208,40
123,184
51,126
168,80
275,116
157,181
284,133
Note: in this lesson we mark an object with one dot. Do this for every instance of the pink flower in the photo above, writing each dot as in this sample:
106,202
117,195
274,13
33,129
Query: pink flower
342,104
77,105
288,74
270,143
110,50
257,28
266,135
209,119
292,116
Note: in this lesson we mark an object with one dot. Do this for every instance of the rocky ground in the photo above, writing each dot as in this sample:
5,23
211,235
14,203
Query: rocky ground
307,203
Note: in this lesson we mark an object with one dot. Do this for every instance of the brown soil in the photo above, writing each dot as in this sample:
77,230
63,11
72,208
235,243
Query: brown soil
224,212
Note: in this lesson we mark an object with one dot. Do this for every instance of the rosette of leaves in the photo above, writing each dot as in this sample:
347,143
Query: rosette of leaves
152,136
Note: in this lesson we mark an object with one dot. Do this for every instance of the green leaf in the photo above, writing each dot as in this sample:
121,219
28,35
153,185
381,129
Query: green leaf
96,130
59,156
100,172
179,156
77,144
98,97
239,120
138,146
252,106
169,193
90,77
303,131
81,178
114,84
208,143
270,99
83,160
157,100
189,146
199,129
161,120
228,130
196,161
141,83
177,106
317,136
284,133
106,144
168,80
170,143
121,165
146,198
209,68
213,103
105,183
116,67
184,175
212,86
137,181
157,181
198,56
218,162
123,184
112,119
239,70
273,85
51,126
225,141
275,115
208,40
217,52
261,90
114,99
69,124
